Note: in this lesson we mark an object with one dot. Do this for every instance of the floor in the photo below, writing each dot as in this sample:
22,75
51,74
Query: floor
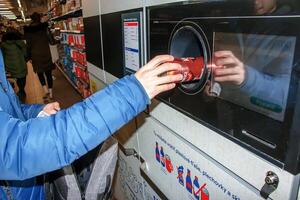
63,92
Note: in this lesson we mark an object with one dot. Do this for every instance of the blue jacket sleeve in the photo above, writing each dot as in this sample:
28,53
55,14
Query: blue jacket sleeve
31,110
33,147
269,80
267,87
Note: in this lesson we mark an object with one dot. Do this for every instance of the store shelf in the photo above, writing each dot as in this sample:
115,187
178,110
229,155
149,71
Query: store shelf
86,85
72,31
83,67
82,50
64,25
77,48
79,64
74,47
74,13
68,31
68,79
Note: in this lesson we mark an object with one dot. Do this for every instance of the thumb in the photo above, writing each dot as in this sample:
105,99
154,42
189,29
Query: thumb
56,106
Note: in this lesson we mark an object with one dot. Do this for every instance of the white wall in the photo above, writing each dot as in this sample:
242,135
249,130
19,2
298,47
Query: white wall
110,6
90,8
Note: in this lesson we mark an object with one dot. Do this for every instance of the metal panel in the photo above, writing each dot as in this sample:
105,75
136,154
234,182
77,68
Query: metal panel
93,40
110,6
176,167
159,2
240,161
96,71
95,83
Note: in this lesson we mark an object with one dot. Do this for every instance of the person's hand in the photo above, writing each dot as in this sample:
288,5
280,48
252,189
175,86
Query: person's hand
153,75
51,108
228,68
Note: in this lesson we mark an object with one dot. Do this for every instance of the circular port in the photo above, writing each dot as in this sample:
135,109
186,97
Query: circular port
189,41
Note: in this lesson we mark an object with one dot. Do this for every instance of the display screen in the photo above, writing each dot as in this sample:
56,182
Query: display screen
131,26
265,62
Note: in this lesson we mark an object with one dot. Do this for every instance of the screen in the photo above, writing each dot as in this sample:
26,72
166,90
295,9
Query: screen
267,63
131,26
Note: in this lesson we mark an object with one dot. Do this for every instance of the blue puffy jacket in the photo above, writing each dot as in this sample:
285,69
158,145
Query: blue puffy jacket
32,146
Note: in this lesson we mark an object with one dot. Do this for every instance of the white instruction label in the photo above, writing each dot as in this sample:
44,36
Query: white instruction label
131,45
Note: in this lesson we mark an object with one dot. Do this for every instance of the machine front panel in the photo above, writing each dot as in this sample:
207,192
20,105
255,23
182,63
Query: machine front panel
183,172
258,111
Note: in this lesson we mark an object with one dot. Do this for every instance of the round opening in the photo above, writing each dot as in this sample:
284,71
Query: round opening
187,42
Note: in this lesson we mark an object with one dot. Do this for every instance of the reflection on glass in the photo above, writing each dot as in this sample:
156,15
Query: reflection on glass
254,70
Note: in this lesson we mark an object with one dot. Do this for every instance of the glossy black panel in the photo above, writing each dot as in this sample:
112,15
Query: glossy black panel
93,40
112,43
258,49
112,34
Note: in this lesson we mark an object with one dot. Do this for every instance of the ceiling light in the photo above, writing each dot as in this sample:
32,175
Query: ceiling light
19,3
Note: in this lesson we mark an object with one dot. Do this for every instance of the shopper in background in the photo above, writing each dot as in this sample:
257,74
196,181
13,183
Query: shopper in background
14,52
31,146
37,38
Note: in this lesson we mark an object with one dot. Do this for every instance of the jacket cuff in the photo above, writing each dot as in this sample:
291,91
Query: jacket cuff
250,79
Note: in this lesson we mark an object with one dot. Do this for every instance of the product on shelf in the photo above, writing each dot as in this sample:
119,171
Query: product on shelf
70,25
73,59
71,49
74,40
59,8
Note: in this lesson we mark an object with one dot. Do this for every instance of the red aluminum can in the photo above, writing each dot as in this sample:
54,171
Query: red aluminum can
191,68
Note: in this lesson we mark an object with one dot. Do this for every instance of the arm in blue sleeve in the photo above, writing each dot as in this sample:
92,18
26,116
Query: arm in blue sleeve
267,87
271,82
40,145
31,110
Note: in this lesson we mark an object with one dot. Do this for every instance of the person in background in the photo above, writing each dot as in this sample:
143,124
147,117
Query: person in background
14,52
31,145
37,38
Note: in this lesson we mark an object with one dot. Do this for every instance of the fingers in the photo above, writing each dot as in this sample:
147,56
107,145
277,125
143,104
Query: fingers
228,68
229,78
226,71
163,88
226,61
52,108
52,112
165,68
219,54
157,60
169,79
56,106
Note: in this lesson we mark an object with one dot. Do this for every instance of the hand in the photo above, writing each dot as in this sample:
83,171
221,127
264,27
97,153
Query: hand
52,108
150,75
228,68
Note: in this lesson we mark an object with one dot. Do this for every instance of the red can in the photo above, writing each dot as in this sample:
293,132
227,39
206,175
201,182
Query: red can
191,68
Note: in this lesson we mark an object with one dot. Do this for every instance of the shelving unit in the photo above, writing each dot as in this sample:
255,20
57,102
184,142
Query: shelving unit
73,13
71,48
67,77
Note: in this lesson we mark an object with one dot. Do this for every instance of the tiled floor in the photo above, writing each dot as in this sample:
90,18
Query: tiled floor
63,92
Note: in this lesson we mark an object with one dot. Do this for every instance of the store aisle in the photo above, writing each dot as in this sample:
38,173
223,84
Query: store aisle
63,92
